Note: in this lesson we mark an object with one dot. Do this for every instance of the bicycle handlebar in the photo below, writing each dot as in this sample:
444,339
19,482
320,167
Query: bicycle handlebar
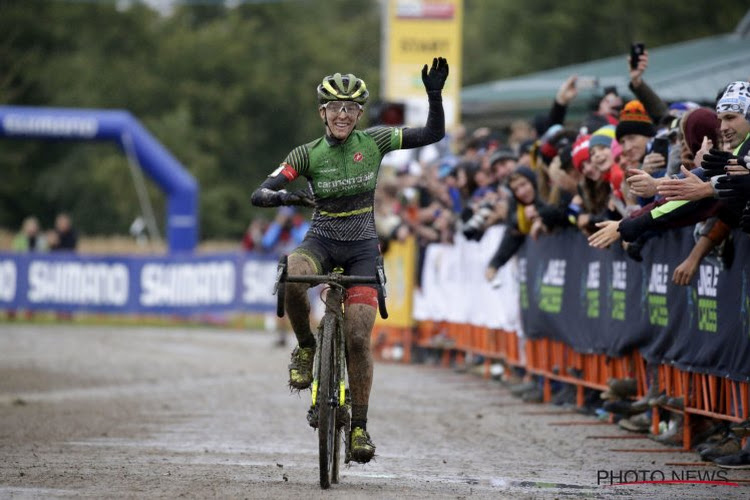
332,278
342,279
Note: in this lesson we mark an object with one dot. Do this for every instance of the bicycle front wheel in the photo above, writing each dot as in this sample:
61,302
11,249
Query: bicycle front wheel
327,403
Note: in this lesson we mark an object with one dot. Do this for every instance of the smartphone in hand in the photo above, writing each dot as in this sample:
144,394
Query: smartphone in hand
661,145
636,50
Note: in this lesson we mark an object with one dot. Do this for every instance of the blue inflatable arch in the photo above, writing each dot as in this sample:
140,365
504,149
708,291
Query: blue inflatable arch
123,128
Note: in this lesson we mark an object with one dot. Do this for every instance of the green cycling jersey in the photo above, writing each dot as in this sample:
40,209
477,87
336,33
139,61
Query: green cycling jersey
342,177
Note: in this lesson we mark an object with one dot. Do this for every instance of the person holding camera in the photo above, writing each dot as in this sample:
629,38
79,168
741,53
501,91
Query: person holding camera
638,63
491,207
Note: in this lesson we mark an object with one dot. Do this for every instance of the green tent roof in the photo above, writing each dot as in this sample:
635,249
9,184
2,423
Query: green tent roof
694,70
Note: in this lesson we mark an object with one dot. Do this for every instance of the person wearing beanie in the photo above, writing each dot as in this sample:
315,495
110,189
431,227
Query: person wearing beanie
634,132
523,215
593,190
581,159
698,124
604,136
733,109
502,163
602,159
634,120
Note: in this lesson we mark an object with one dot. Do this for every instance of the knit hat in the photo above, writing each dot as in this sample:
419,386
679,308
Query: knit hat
603,137
696,125
735,99
634,120
524,172
679,108
580,151
502,154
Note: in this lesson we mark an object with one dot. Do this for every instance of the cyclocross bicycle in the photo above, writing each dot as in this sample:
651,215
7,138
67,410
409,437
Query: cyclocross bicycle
329,412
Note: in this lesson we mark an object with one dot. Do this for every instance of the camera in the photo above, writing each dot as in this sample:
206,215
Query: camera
473,227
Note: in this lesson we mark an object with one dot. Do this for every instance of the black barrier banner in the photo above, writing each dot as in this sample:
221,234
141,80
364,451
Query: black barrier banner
603,301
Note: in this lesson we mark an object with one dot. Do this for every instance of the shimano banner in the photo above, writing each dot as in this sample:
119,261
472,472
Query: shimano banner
605,302
177,284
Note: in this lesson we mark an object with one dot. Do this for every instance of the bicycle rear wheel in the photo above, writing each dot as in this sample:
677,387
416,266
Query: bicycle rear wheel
327,403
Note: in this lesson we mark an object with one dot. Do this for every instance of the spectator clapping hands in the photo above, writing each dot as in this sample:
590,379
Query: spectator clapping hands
691,187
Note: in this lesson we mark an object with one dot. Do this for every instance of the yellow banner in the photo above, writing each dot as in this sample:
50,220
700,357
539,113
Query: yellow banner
399,271
416,32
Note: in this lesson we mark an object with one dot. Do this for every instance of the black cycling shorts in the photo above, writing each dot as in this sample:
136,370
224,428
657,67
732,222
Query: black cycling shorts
357,258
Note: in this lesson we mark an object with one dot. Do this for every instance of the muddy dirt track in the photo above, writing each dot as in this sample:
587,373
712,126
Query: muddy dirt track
115,412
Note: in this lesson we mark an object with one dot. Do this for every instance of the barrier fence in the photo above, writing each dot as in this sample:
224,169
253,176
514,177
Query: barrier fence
589,315
560,310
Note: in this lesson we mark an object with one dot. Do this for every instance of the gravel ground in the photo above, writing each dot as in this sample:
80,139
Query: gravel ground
116,412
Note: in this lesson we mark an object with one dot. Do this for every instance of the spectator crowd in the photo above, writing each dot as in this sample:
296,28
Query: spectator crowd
628,171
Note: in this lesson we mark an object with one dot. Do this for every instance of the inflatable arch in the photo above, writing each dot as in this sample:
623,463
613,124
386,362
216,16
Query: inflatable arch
123,128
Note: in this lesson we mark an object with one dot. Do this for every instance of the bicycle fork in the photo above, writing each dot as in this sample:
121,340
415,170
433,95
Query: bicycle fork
340,398
343,416
312,413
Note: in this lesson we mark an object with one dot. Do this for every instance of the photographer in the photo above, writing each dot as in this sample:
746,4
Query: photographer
489,206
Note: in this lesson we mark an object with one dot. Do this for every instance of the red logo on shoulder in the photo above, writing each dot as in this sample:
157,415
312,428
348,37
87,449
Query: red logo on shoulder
358,157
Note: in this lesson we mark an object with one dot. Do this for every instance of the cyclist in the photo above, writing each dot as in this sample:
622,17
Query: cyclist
341,169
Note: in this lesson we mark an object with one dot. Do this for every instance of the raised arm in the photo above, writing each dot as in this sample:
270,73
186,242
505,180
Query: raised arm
434,129
655,107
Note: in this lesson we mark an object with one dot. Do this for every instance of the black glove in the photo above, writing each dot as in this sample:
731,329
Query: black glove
300,198
732,187
715,160
435,78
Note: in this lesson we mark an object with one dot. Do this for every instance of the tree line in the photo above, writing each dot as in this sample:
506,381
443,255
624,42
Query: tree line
230,90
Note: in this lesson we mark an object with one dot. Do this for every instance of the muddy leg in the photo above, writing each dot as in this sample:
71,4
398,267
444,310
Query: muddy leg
358,323
297,304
